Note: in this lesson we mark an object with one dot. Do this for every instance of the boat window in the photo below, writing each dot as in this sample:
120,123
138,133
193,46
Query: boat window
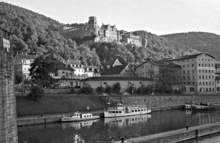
113,111
135,110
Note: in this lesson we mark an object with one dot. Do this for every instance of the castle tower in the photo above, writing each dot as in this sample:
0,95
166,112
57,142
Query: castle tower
93,25
93,22
8,122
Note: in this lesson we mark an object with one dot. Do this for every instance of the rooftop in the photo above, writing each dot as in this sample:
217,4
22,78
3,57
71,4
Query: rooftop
117,79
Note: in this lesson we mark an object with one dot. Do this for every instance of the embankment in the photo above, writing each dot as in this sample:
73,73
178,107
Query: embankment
65,103
177,135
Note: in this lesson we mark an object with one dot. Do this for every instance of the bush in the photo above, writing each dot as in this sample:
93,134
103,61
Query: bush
36,92
108,89
72,90
87,89
116,88
100,89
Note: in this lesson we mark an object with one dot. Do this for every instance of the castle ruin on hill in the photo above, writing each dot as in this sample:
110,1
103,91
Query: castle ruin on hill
105,33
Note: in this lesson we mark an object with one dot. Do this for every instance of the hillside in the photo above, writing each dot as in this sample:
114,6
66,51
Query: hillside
201,41
36,33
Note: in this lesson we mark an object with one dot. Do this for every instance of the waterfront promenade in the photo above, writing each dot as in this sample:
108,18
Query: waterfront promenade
177,135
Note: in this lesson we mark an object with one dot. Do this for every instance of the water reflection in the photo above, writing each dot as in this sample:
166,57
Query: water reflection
79,125
109,129
126,121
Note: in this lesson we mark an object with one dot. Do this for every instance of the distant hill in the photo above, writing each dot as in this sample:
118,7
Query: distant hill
163,46
201,41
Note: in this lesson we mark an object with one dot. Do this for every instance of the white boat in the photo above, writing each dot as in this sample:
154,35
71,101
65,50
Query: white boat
127,120
121,111
79,117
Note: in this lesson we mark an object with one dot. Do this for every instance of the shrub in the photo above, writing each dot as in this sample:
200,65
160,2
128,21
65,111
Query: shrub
100,89
36,92
72,90
108,89
116,88
87,89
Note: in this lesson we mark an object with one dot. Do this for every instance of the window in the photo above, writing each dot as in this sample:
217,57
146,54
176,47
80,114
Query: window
191,89
6,45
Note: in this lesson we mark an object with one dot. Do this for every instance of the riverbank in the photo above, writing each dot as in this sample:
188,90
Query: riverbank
43,119
66,103
62,104
178,135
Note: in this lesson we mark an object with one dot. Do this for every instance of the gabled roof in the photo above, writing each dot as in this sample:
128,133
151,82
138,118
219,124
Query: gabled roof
62,66
190,56
74,62
111,62
114,70
117,79
158,63
21,56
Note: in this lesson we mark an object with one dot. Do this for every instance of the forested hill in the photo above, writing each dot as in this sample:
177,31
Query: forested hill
165,47
201,41
36,33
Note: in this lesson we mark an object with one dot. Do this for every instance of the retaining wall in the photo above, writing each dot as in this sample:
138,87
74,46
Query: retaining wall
177,135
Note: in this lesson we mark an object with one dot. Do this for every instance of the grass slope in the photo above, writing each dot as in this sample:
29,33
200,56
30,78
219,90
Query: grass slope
58,104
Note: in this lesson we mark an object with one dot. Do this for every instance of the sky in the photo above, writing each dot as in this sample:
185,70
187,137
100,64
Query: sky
156,16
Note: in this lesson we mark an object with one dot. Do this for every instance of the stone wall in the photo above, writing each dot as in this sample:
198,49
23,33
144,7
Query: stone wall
163,101
8,124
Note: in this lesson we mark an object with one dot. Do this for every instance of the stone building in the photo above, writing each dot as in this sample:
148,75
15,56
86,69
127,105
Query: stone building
8,121
151,69
130,38
198,72
125,82
105,33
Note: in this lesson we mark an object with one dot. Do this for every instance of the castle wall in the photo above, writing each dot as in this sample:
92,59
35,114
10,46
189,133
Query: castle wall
8,124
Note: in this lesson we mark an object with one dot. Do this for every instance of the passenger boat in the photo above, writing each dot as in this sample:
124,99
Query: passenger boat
79,117
120,111
200,106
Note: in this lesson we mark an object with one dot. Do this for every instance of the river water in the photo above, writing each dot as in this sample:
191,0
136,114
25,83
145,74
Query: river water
113,129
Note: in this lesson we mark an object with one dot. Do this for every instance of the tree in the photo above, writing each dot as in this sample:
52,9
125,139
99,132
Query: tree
100,89
41,70
87,89
116,88
165,78
36,93
108,89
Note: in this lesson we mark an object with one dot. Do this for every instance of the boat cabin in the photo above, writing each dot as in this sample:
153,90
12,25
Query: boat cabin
87,115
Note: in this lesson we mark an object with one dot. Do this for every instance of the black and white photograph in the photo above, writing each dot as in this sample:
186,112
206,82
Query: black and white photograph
109,71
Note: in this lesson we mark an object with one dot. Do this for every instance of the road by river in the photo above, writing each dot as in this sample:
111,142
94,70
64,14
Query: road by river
112,129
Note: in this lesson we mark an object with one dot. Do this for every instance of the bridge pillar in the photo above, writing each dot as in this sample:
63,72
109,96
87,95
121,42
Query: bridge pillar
8,123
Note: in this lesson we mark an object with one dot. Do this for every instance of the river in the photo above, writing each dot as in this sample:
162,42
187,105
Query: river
113,129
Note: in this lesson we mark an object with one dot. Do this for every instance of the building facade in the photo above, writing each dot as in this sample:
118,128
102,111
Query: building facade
23,64
125,82
130,38
198,73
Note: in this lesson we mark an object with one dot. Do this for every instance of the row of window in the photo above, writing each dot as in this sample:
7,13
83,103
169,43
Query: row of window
206,65
206,71
207,89
206,83
206,77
